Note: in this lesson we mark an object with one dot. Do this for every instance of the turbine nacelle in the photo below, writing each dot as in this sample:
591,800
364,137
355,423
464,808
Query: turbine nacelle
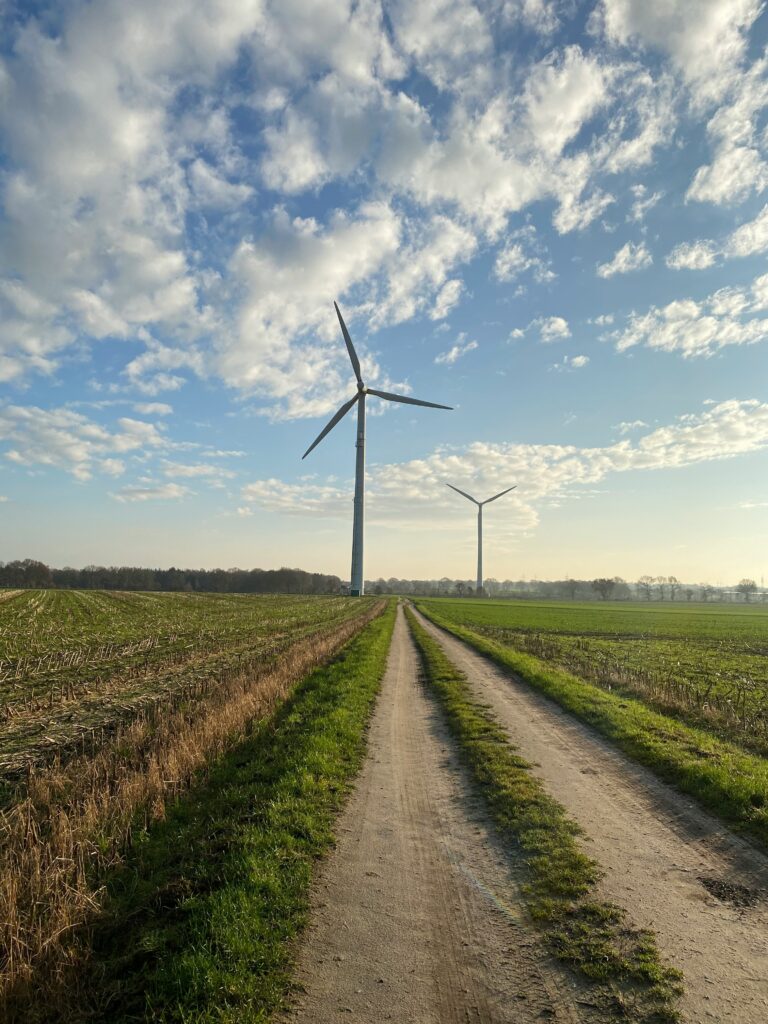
362,391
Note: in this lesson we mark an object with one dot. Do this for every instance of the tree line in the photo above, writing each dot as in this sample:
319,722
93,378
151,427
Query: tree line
646,588
28,572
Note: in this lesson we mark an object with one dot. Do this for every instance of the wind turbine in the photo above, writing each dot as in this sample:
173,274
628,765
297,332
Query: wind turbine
356,587
480,527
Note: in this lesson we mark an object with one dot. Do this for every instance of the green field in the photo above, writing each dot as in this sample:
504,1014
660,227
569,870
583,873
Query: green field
72,662
705,663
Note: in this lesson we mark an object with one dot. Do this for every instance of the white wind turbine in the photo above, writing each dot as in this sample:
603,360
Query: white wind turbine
356,587
480,527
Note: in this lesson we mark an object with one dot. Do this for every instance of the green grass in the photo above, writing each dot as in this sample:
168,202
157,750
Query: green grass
622,964
202,919
726,780
705,664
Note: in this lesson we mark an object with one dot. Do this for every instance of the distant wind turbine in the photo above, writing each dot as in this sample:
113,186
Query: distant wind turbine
356,585
480,527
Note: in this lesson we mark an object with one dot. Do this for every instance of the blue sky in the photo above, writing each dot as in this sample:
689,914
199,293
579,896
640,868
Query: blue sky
550,215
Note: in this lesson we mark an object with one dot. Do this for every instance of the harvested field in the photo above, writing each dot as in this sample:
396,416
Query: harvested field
74,664
88,793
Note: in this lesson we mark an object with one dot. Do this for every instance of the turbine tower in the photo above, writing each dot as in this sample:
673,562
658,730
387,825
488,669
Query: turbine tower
480,527
356,578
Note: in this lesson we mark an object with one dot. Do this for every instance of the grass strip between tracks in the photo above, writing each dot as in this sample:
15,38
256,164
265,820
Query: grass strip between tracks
725,779
205,913
621,963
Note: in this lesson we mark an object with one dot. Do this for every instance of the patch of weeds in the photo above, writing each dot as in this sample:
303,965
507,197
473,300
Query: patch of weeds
622,964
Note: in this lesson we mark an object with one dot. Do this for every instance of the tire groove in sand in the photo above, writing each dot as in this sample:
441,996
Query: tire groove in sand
416,916
653,842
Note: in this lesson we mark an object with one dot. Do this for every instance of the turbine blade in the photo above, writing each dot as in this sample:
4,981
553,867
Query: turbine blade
406,401
464,493
331,424
499,495
350,347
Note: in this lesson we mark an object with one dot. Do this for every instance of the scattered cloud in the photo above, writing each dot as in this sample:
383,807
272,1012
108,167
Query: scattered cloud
627,427
552,328
458,350
67,440
691,256
706,39
730,316
629,257
413,493
159,492
644,201
196,470
750,238
153,408
522,253
570,363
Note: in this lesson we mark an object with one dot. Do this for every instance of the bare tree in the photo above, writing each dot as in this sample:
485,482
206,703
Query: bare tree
604,587
644,585
674,585
661,582
688,594
747,588
707,591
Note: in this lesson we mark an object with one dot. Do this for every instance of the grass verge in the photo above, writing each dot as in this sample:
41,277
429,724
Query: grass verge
591,936
722,777
200,921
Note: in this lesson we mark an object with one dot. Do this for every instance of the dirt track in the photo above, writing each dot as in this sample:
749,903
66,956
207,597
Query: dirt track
655,845
415,917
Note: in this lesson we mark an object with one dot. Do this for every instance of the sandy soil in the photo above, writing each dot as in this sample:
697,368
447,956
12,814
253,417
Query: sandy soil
416,916
655,845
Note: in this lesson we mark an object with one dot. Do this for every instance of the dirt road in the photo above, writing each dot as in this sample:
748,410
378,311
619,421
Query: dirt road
416,917
655,845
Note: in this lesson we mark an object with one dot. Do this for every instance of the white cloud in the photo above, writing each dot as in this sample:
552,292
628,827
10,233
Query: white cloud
552,328
575,214
735,173
446,299
629,257
458,350
521,253
211,189
70,441
691,256
568,363
414,494
736,131
706,39
643,202
198,469
159,492
561,94
153,408
447,39
750,238
3,498
727,317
